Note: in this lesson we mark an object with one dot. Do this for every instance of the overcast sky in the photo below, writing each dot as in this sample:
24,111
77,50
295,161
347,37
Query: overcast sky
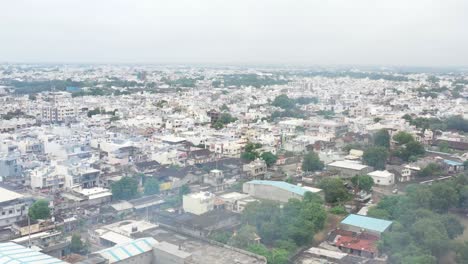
314,32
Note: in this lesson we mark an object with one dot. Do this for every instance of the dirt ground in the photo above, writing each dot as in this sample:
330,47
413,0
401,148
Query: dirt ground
331,223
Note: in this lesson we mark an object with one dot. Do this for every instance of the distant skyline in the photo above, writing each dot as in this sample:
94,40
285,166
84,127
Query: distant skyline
295,32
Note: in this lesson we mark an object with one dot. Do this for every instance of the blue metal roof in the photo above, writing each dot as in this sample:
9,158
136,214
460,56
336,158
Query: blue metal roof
453,163
127,250
282,185
368,223
12,253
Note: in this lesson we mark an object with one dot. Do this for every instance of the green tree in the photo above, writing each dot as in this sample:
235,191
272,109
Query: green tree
403,138
430,170
221,236
334,190
224,107
245,237
125,188
312,162
39,210
269,158
249,156
284,102
183,190
250,152
77,245
151,186
445,197
363,182
378,213
415,148
462,253
382,138
376,157
452,225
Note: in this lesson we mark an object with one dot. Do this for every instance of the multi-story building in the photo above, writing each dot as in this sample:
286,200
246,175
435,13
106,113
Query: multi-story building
255,169
13,207
198,203
9,167
47,177
82,176
58,113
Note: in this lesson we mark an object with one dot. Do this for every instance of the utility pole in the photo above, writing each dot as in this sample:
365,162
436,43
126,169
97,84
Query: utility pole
29,231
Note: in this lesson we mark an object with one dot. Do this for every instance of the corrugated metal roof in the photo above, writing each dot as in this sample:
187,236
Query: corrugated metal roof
128,250
366,222
12,253
282,185
452,162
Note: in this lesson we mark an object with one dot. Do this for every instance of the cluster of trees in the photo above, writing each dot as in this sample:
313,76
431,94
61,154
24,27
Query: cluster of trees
283,101
430,170
176,200
251,80
451,123
32,87
99,111
224,119
15,114
327,114
251,153
91,92
125,189
282,229
335,188
289,106
151,186
182,82
423,231
355,75
376,157
408,148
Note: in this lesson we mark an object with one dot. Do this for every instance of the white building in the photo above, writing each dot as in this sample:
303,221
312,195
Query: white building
382,177
13,207
235,201
198,203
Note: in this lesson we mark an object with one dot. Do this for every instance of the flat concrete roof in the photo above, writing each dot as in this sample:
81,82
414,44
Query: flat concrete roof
7,195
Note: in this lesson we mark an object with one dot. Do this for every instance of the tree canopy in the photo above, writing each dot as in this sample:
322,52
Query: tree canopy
77,245
382,138
39,210
363,182
281,228
423,231
335,190
376,157
151,186
269,158
284,102
125,188
312,162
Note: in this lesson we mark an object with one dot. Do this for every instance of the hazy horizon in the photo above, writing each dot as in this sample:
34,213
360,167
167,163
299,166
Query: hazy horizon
298,33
